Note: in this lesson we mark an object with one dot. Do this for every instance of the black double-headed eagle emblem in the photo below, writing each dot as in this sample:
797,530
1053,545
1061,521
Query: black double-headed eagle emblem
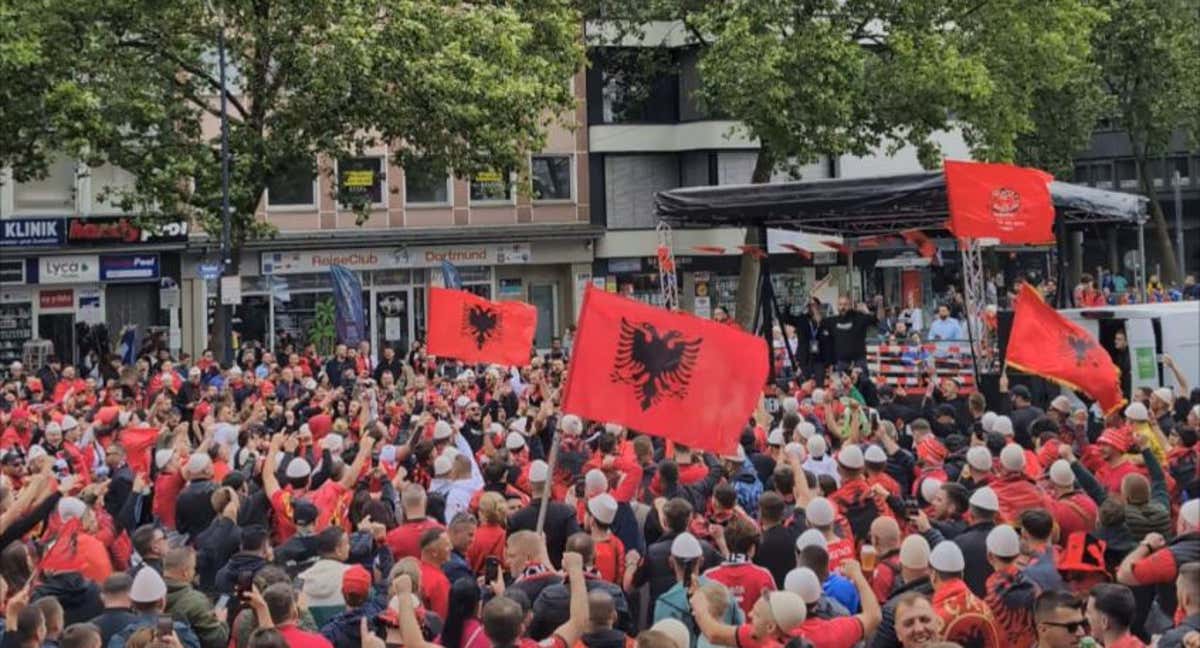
481,323
657,364
1080,346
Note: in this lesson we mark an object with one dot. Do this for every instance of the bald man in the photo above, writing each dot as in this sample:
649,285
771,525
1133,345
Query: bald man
525,559
885,538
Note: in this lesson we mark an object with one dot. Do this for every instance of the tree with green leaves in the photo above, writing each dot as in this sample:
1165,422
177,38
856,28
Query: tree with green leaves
1149,54
459,85
809,78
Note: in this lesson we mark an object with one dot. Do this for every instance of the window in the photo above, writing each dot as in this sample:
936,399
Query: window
1180,164
1127,173
551,177
292,185
107,185
12,271
360,181
491,186
53,193
424,185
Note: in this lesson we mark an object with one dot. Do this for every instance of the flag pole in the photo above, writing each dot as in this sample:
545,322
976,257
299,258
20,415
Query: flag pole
551,461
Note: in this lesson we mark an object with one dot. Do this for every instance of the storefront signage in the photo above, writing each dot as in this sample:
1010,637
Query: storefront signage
123,230
68,269
386,258
57,299
208,271
12,271
32,232
129,267
89,305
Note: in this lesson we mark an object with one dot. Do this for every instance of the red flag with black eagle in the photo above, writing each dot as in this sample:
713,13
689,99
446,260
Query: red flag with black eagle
1009,203
674,375
1045,343
470,328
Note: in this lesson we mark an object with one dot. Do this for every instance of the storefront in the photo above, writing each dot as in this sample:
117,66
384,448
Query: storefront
281,291
78,282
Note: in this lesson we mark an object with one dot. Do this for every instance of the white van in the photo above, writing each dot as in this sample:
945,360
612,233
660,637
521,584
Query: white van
1152,330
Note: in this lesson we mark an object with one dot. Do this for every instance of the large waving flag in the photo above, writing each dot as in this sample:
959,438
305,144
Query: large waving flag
673,375
1009,203
470,328
347,298
1045,343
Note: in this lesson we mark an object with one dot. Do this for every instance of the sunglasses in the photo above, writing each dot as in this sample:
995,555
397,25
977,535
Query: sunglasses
1071,627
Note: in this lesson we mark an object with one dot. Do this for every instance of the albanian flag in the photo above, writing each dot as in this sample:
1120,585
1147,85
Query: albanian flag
1000,201
138,443
674,375
473,329
1045,343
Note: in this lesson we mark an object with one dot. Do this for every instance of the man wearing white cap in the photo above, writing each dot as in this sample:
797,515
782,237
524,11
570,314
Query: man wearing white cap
876,460
772,620
913,581
854,498
149,596
1015,490
1162,408
193,509
819,462
844,631
821,514
984,507
979,468
561,519
1071,508
686,559
968,619
168,484
600,511
1010,593
331,498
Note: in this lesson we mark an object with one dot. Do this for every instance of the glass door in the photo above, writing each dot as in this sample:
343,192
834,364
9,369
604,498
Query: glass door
393,320
544,297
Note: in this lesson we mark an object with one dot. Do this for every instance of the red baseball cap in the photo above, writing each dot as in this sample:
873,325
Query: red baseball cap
356,580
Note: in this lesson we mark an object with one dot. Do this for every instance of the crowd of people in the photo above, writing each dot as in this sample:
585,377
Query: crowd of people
297,500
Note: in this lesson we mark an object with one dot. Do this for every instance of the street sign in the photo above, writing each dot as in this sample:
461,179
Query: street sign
208,271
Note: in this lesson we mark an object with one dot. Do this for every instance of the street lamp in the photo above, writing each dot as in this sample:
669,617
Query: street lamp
226,318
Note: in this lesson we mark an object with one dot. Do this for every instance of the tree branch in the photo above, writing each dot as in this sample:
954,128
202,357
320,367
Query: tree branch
189,68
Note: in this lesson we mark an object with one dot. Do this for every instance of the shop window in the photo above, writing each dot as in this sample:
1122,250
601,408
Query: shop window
1180,164
423,185
551,177
1127,173
491,186
360,182
53,193
293,185
12,271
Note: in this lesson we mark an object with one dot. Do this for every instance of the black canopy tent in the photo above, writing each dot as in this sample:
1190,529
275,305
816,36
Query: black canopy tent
862,207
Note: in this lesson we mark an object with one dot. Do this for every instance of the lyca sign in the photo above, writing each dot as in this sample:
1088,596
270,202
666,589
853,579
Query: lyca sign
68,269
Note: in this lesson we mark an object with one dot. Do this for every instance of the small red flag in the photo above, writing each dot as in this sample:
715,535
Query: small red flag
138,442
674,375
1009,203
754,251
708,249
1045,343
842,248
797,249
924,244
470,328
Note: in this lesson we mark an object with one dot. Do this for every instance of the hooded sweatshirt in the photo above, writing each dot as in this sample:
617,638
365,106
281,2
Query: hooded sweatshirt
323,587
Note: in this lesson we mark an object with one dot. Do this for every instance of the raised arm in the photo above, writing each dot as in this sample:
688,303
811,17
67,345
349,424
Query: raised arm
716,632
270,481
871,613
1184,388
410,629
350,477
570,631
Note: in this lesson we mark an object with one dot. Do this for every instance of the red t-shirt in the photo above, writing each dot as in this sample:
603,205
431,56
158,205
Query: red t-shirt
745,580
489,541
167,487
332,500
1127,641
842,632
405,540
610,559
435,589
297,638
1157,568
281,504
745,638
840,551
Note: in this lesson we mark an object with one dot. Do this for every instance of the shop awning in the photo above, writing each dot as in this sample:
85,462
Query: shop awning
864,206
352,237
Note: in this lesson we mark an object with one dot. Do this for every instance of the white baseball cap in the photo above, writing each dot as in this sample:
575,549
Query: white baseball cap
806,429
914,552
1061,474
1003,542
1003,425
985,499
987,421
539,471
1137,412
811,538
514,441
851,456
68,423
298,468
1189,513
70,508
979,458
442,431
819,512
875,455
1061,403
1012,457
441,466
790,404
676,631
163,457
686,547
148,586
787,608
803,582
1165,395
603,507
775,438
816,446
199,462
929,488
947,557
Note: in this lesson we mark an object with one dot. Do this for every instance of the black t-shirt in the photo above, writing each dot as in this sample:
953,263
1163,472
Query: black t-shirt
849,334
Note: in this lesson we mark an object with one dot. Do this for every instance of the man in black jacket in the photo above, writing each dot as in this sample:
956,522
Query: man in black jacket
337,365
984,506
561,520
194,510
656,568
118,612
776,550
553,606
393,363
120,483
216,544
849,332
254,554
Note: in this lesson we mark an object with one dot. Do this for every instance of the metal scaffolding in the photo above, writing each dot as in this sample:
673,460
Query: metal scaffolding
668,279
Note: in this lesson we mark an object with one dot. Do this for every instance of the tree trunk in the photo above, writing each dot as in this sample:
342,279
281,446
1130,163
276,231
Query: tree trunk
747,294
1166,249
